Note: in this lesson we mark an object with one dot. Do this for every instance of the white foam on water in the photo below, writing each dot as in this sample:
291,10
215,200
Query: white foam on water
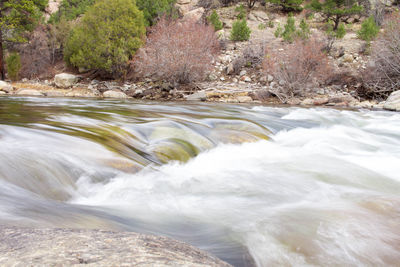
326,195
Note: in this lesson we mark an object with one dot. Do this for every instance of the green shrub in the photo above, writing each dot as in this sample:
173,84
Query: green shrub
262,26
289,29
288,5
215,21
240,31
278,31
108,36
369,30
271,24
13,63
153,9
341,31
242,14
70,10
304,31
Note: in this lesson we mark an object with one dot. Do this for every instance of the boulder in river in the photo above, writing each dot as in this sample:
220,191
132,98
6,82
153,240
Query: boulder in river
393,101
65,80
66,247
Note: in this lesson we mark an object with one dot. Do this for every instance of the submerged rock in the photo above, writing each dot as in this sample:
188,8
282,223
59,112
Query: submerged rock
65,80
393,101
66,247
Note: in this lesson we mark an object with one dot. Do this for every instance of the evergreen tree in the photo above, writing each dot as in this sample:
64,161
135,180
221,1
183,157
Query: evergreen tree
215,21
155,8
17,17
336,10
108,36
71,9
288,5
369,30
240,31
289,29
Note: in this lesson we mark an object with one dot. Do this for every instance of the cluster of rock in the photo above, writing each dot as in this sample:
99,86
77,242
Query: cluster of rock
258,90
189,10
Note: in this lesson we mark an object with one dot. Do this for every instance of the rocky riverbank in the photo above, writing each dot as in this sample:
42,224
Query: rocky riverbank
25,246
67,85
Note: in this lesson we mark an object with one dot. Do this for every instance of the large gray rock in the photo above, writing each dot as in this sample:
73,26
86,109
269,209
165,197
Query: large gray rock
65,80
114,94
5,86
194,15
66,247
30,92
261,15
393,101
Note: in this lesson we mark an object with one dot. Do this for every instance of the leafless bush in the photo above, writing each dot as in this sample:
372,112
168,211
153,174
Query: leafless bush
252,55
383,73
35,55
251,3
209,4
378,11
297,66
179,52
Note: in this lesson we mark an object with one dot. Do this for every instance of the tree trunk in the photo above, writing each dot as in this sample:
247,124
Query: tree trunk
2,71
336,21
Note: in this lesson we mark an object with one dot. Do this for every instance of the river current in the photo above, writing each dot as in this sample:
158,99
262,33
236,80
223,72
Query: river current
253,185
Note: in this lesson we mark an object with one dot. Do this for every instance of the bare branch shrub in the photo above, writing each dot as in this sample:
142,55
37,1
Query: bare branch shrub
297,67
379,13
209,4
36,58
382,76
252,55
178,52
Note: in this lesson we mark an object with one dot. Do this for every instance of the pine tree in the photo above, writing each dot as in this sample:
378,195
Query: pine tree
336,10
215,21
155,8
17,17
288,5
369,30
240,31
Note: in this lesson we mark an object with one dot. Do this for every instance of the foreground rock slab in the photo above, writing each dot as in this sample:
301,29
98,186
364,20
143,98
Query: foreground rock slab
67,247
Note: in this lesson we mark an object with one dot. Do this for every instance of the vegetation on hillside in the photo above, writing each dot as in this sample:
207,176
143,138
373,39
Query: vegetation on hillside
107,37
182,59
382,77
103,37
16,18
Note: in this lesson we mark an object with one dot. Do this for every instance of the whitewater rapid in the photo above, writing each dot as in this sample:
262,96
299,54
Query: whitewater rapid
324,190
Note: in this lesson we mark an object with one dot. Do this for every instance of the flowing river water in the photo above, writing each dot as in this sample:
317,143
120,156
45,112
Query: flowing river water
253,185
